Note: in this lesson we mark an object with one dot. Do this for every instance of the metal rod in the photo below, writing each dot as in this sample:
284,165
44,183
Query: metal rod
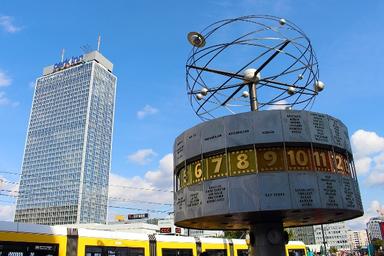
62,54
272,57
253,97
324,242
220,72
286,42
98,43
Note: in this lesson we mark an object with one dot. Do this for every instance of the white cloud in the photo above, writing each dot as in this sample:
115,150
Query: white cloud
5,101
377,207
379,160
7,212
373,211
376,177
363,165
368,148
358,223
11,186
366,143
163,175
142,156
147,110
5,80
155,186
281,104
6,22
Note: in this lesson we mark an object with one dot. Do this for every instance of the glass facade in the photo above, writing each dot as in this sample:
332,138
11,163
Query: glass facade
67,155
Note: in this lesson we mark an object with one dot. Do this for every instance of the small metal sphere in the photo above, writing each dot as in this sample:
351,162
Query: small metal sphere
249,75
300,77
291,90
319,86
245,94
204,91
282,22
199,96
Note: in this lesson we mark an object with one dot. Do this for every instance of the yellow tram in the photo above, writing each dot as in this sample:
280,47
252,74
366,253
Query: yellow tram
19,239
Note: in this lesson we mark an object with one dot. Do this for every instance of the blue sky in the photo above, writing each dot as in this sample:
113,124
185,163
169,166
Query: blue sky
146,41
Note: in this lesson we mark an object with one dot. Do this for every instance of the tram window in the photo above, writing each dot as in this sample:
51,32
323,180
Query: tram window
135,252
216,253
93,251
296,252
113,251
242,252
177,252
28,249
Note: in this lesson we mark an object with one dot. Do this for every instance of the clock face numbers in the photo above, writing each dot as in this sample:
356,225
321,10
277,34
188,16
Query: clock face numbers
270,159
322,160
242,162
262,159
298,159
183,179
341,164
216,166
195,170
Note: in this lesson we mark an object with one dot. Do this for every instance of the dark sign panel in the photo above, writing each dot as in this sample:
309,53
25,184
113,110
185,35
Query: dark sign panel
137,216
165,230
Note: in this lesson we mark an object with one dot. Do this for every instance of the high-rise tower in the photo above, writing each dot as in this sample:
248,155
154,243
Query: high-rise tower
67,153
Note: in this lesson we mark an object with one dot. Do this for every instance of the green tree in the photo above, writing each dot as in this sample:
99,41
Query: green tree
291,234
234,234
377,243
333,249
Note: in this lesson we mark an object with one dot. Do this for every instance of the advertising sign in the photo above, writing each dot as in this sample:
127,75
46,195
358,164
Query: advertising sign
137,216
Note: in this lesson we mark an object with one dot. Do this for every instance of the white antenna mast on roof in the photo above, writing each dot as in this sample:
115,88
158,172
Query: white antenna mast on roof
62,54
98,43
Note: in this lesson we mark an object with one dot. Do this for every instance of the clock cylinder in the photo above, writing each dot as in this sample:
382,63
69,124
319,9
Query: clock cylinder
288,166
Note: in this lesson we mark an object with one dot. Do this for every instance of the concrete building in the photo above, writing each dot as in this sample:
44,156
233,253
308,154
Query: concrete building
358,239
336,235
304,234
374,228
67,155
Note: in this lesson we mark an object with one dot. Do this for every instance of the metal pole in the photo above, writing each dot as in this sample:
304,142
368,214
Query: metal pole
324,242
253,97
62,54
267,239
369,242
98,43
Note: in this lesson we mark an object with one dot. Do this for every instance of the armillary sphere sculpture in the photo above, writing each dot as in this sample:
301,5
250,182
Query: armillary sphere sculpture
260,170
262,61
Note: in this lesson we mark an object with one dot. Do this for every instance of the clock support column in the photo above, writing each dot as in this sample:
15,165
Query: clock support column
267,239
